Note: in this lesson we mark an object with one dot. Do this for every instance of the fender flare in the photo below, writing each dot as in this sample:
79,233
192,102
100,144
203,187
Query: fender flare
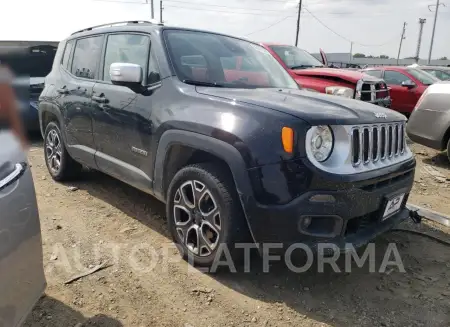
220,149
49,107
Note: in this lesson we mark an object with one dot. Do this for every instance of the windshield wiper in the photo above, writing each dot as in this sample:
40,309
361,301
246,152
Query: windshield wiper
305,66
200,83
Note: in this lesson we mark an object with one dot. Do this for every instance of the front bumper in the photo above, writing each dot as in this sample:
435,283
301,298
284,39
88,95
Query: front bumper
383,102
354,216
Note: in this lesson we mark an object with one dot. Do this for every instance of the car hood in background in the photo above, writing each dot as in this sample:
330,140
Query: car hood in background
344,74
314,108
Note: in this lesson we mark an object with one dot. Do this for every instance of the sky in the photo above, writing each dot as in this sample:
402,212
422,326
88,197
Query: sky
374,26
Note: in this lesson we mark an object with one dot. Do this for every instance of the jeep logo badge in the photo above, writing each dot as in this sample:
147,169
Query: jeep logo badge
380,115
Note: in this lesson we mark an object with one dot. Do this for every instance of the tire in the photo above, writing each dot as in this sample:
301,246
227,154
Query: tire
448,149
213,186
68,169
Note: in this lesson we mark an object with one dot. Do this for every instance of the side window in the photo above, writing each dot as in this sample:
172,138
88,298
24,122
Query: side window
87,56
125,48
375,73
67,53
395,78
153,70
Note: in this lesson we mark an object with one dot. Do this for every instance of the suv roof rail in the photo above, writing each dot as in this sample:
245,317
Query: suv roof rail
129,22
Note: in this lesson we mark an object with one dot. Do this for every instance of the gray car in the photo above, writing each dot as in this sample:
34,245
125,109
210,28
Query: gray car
22,280
429,123
441,72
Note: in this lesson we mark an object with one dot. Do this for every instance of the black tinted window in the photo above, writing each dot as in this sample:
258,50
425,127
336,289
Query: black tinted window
67,52
375,73
395,78
126,48
87,56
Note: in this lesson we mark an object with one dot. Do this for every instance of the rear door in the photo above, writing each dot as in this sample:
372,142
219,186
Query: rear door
403,98
22,279
79,72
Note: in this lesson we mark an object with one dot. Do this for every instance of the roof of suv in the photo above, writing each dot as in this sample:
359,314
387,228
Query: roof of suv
139,26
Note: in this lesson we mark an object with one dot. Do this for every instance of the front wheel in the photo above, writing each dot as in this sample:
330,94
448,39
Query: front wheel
205,214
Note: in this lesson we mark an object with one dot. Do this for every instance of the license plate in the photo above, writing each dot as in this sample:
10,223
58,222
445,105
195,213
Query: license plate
393,206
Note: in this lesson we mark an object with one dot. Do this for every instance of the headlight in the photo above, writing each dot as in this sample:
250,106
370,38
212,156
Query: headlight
321,142
342,91
310,90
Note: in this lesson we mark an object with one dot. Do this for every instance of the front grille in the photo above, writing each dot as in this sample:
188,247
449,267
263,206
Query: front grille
371,92
380,142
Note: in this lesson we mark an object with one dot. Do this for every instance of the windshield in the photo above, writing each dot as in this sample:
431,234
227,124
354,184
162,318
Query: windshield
443,75
295,58
422,76
208,59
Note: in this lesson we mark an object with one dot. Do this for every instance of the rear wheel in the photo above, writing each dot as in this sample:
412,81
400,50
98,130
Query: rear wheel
205,214
59,163
448,149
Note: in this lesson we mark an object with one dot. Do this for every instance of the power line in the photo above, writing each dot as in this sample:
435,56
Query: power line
221,6
343,37
223,11
266,28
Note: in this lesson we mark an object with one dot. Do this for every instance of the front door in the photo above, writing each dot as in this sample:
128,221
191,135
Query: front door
122,127
75,90
403,98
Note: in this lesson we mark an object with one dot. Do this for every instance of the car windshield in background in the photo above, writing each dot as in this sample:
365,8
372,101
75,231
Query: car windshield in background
208,59
443,75
422,76
296,58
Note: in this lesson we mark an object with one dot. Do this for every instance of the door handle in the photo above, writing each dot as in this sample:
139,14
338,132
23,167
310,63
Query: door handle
100,99
19,169
62,90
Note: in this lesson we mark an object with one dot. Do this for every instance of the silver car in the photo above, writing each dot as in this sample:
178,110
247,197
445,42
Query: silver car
22,280
429,123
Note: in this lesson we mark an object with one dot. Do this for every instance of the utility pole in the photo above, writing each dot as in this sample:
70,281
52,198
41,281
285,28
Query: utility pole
434,28
152,8
351,52
160,11
401,41
298,22
422,21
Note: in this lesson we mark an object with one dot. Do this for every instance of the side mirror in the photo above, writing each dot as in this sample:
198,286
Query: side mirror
409,84
125,73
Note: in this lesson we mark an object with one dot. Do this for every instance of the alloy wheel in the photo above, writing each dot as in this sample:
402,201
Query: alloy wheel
53,151
197,218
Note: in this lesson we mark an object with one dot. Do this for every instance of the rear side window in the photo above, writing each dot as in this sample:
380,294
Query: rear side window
67,53
126,48
375,73
87,56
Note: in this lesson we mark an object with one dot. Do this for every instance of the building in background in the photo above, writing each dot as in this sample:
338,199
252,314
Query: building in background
343,60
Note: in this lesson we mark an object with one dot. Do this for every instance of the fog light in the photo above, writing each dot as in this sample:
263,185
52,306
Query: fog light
306,222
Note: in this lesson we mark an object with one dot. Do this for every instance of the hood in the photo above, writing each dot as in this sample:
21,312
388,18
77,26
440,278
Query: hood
347,75
314,108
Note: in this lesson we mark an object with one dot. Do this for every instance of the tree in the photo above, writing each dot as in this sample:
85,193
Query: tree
443,58
384,57
359,55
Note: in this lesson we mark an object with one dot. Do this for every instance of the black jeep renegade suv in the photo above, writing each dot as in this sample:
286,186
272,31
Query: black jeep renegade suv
214,127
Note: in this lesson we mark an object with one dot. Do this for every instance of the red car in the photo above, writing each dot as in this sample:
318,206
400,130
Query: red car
407,85
313,75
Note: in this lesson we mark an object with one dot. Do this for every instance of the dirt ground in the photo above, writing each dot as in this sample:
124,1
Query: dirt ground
81,221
